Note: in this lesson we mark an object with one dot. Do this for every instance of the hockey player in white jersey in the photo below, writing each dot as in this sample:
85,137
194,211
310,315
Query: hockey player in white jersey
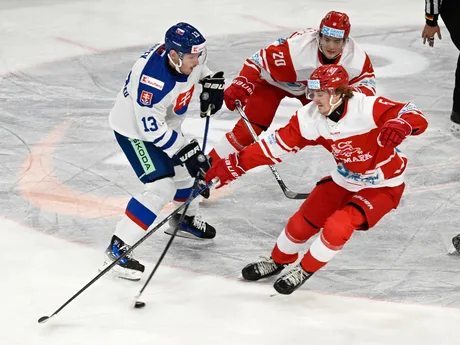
146,120
281,70
362,134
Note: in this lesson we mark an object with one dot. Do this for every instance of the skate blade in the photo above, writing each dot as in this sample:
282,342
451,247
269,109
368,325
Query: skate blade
122,273
182,234
453,251
124,276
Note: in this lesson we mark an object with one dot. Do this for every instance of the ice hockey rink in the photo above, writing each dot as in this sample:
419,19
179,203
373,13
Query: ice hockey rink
65,185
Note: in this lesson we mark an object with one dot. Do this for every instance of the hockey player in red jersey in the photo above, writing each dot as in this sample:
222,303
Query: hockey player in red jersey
281,70
362,134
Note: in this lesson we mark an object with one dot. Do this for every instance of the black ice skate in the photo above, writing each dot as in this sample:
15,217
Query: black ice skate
455,124
456,245
127,268
261,269
292,280
191,225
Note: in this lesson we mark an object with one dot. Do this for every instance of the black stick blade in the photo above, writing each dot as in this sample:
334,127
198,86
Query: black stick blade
139,305
43,319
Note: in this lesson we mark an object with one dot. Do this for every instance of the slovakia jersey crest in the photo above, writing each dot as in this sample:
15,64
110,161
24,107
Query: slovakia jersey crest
146,98
183,101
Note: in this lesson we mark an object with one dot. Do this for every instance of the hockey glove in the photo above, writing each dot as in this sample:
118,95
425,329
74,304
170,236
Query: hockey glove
196,162
393,132
212,95
226,170
241,89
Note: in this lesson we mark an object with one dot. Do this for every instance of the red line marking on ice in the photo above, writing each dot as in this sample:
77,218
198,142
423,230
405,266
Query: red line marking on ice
78,44
40,186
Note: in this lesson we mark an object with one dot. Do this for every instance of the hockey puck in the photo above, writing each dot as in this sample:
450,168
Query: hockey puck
139,305
43,319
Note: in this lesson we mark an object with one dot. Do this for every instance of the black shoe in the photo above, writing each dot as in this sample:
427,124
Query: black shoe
292,280
456,243
128,267
455,117
194,225
261,269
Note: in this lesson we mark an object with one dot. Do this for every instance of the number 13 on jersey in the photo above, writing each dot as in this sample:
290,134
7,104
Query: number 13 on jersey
150,124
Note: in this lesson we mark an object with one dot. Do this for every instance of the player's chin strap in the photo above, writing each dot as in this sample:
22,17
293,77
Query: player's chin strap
334,105
176,66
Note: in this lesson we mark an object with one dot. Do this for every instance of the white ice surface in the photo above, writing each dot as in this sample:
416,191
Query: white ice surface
189,307
185,307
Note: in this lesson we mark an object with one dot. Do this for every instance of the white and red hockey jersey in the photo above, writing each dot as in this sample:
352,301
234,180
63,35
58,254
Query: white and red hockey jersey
289,62
361,162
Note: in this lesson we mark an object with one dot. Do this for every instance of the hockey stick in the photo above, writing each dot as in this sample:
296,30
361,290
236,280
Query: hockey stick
44,319
206,130
205,140
287,192
139,304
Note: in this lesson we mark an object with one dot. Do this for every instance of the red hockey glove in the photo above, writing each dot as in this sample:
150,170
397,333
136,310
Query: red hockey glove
393,132
240,89
226,170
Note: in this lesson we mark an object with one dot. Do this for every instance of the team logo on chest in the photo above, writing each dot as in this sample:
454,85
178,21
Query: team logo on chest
345,152
183,101
146,98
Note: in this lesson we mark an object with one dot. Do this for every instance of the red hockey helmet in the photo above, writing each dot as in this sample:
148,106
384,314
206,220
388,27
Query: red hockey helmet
335,24
327,77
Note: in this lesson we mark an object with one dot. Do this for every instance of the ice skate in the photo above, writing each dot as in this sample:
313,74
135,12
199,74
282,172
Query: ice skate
191,227
261,269
128,268
455,124
455,247
292,280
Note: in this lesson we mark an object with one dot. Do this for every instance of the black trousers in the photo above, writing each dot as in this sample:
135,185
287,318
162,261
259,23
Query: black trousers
450,14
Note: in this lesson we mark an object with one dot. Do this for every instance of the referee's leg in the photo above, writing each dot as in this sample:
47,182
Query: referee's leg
450,14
